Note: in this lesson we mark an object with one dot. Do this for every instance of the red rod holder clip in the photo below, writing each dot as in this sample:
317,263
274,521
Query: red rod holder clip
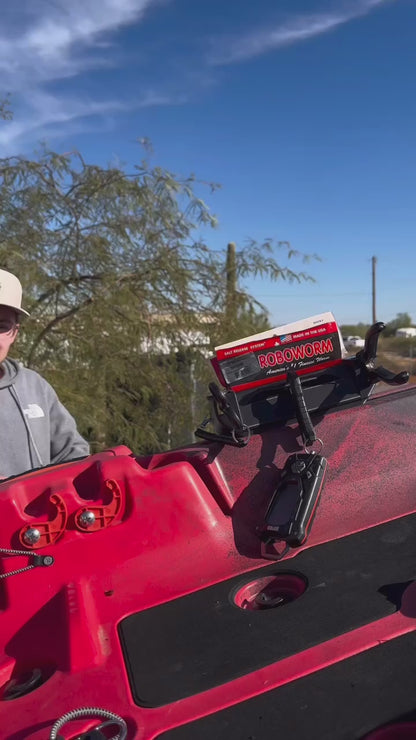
41,534
92,518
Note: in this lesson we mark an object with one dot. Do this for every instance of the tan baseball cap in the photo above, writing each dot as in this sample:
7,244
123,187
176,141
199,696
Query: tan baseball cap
11,292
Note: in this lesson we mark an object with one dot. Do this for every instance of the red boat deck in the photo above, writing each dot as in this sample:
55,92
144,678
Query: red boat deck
142,614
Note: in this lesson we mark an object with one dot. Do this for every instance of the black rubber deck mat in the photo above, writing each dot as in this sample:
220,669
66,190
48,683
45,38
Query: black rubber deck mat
202,640
343,702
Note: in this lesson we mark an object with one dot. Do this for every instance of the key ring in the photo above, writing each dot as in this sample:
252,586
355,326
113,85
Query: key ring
309,448
241,441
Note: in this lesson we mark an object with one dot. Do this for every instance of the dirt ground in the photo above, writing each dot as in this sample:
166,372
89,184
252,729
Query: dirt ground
396,363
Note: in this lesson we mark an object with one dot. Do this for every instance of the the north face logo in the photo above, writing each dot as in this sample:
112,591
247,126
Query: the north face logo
33,411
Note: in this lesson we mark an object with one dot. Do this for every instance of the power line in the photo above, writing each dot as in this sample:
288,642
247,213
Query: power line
317,295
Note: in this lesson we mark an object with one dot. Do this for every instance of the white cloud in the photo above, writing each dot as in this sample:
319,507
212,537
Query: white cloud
62,38
52,116
299,28
44,43
47,110
47,41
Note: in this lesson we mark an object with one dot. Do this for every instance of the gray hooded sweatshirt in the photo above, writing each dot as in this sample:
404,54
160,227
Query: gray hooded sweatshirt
36,429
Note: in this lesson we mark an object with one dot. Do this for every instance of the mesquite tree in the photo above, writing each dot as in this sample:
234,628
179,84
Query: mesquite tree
121,293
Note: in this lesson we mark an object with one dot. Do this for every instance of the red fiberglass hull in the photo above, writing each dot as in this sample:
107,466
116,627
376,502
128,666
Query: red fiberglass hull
143,613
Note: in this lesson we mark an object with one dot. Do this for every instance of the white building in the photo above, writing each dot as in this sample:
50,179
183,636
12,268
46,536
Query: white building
406,332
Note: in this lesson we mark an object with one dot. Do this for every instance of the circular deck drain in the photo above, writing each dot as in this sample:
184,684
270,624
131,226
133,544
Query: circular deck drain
270,592
23,684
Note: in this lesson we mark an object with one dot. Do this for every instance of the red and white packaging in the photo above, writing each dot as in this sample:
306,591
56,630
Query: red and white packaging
306,346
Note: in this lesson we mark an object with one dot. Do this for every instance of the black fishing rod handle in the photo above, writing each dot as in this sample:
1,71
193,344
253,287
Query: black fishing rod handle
369,353
302,413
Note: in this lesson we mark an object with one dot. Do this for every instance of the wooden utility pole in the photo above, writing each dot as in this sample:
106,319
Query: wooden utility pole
373,274
231,283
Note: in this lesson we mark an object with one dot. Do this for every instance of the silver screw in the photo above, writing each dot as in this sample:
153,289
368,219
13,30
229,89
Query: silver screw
31,536
87,519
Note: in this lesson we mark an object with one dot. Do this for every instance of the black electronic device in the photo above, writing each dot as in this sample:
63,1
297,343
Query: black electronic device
294,502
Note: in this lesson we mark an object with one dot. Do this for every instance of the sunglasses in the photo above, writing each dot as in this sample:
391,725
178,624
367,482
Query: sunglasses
7,326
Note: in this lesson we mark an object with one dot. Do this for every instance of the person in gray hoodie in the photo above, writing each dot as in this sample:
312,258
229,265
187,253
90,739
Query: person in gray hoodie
37,429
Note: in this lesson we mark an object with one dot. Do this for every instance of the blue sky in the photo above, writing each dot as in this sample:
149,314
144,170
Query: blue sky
304,111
